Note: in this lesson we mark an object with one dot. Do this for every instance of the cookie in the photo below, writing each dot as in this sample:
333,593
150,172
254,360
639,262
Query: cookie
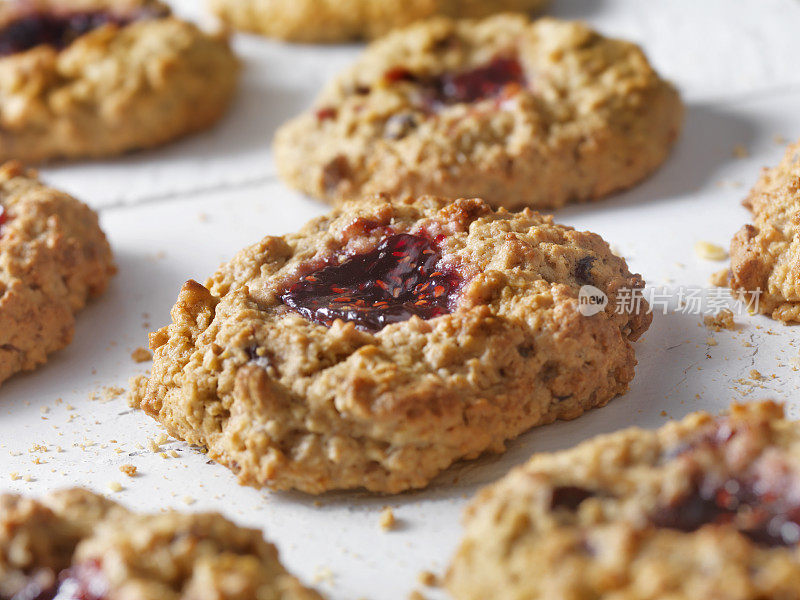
519,113
765,255
388,339
94,78
76,545
701,509
53,259
341,20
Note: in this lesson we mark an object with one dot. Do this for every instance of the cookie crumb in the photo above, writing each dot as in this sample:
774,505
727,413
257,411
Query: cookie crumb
755,374
711,341
129,470
719,278
739,151
415,595
387,520
188,500
141,355
709,251
722,320
427,578
323,575
115,486
15,476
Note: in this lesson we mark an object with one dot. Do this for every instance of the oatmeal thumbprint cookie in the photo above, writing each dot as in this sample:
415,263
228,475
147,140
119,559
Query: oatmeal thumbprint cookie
342,20
94,78
388,339
765,255
700,509
76,545
53,258
519,113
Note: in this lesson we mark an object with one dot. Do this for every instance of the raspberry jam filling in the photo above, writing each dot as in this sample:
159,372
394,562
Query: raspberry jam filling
761,514
401,278
3,219
481,83
760,499
59,30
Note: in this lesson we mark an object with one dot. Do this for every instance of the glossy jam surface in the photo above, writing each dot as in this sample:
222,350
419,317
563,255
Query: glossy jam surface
401,278
481,83
487,81
3,219
761,501
757,512
59,30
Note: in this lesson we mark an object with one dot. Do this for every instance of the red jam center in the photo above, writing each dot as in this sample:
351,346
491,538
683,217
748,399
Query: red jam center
3,219
755,502
481,83
57,30
401,278
761,515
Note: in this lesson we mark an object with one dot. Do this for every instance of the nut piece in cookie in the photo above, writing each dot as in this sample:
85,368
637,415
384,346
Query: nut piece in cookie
388,339
94,78
53,259
519,113
701,509
76,545
765,255
342,20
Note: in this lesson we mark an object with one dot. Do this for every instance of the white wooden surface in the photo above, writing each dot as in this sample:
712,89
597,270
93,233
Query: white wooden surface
177,212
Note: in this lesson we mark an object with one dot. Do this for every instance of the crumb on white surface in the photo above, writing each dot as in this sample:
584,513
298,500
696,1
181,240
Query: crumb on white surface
323,575
710,251
428,578
387,520
141,355
721,320
129,470
719,278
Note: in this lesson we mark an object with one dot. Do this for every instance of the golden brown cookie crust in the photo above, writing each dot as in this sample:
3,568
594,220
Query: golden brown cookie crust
593,118
53,259
167,556
114,89
765,255
580,523
341,20
288,403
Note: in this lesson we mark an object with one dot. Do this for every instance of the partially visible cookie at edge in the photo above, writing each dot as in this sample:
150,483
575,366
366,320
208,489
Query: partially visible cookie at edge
75,544
388,339
53,258
765,255
700,509
520,113
341,20
95,78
